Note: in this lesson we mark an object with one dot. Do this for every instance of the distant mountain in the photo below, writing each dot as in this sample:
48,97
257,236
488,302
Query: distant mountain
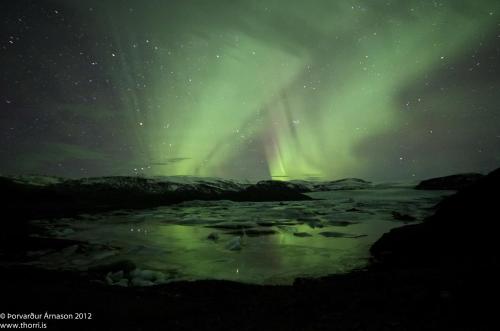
453,182
28,197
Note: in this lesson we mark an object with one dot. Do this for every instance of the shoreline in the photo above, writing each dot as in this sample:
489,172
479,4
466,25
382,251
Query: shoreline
415,282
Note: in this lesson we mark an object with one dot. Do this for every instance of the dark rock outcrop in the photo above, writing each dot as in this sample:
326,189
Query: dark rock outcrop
462,231
335,185
343,184
271,190
453,182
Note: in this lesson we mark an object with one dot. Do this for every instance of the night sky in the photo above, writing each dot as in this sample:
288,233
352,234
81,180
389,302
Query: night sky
381,90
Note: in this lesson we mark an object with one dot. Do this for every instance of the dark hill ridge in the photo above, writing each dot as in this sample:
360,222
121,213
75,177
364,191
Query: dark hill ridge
39,197
29,197
453,182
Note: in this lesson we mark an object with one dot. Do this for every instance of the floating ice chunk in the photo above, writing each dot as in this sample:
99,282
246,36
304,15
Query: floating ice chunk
213,236
115,276
102,255
148,275
137,277
234,244
64,232
289,229
109,281
122,282
70,250
141,282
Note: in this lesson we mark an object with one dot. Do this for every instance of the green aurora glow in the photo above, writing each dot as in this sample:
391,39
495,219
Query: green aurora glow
286,89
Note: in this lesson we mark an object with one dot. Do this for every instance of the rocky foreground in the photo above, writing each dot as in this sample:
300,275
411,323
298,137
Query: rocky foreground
437,275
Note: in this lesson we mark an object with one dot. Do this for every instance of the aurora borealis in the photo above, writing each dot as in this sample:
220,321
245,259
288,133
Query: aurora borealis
250,89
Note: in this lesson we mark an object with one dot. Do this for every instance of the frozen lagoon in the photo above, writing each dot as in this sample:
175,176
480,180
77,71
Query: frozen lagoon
251,242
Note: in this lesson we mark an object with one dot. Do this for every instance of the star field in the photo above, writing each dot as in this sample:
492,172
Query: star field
382,90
